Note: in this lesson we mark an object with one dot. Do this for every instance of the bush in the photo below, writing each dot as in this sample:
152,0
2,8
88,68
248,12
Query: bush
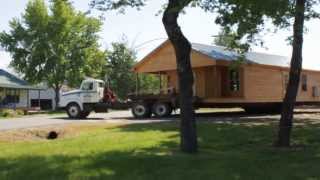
10,113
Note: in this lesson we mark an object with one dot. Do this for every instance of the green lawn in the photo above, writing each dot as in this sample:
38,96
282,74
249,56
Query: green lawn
150,152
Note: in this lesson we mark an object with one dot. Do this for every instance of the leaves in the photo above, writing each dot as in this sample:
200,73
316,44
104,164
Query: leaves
120,60
54,44
106,5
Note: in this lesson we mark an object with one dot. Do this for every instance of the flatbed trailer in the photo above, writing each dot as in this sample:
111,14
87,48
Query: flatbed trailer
162,105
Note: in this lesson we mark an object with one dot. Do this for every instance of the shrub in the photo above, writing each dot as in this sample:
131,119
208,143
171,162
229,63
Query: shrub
10,113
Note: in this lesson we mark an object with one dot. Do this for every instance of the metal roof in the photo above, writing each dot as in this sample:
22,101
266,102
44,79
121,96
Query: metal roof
221,53
8,80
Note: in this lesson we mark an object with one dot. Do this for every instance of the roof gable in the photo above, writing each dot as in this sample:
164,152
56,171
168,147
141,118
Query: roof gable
163,59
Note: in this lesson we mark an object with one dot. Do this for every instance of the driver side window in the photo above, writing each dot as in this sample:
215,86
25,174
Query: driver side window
87,86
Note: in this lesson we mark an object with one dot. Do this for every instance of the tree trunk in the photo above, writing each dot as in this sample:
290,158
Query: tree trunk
182,47
286,120
57,96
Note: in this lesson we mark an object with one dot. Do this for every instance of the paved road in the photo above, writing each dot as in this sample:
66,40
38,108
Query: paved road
126,117
62,119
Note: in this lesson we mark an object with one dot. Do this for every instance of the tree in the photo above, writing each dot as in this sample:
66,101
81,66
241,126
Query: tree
182,47
120,62
122,80
54,44
286,120
247,18
225,39
250,19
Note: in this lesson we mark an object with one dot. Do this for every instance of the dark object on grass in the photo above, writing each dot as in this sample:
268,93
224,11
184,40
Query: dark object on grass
52,135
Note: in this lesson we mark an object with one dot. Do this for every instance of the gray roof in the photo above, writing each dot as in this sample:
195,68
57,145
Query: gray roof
8,80
221,53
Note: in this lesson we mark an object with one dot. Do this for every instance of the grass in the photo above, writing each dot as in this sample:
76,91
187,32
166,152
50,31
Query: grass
150,152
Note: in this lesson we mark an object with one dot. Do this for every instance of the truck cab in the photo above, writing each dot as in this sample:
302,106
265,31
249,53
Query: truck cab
79,103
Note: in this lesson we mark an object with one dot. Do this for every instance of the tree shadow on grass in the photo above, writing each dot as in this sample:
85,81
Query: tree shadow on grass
226,152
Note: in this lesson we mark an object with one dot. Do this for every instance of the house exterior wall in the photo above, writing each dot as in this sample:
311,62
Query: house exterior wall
48,94
263,84
23,103
269,84
258,84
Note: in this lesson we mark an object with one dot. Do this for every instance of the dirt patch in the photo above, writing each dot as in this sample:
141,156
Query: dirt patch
36,134
49,133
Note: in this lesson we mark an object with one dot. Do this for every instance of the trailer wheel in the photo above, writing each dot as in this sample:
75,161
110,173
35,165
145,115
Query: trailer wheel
141,110
73,111
161,109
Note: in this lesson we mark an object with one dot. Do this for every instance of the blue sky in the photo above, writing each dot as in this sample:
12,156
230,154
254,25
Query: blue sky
142,26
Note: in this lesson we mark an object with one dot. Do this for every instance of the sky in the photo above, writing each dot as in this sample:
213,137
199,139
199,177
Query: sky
143,26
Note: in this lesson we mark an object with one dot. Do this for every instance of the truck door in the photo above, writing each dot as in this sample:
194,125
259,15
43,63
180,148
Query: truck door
88,92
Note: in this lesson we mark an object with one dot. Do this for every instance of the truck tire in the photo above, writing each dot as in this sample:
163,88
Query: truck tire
161,109
84,114
141,110
73,111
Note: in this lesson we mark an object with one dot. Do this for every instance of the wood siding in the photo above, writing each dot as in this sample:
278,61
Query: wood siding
164,60
258,83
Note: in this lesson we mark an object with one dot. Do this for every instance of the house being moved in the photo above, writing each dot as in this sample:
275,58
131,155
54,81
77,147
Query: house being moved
260,80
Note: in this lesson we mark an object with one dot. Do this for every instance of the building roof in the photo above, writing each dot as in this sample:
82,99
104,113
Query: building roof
8,80
221,53
214,53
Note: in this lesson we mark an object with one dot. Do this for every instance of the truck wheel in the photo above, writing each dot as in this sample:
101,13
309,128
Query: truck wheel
141,110
161,109
73,111
84,114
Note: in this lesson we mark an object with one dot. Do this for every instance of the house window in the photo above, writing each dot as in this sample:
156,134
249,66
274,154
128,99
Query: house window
304,80
234,80
12,96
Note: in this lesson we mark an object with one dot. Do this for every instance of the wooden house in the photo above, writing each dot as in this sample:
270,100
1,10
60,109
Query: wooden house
261,80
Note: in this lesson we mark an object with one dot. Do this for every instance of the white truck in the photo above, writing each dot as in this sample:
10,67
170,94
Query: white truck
79,103
94,96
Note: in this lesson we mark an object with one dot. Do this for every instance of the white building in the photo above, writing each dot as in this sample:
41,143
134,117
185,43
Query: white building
44,99
14,92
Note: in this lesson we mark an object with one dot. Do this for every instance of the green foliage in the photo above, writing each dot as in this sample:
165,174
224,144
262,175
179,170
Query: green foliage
149,83
248,18
227,152
120,60
54,44
105,5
